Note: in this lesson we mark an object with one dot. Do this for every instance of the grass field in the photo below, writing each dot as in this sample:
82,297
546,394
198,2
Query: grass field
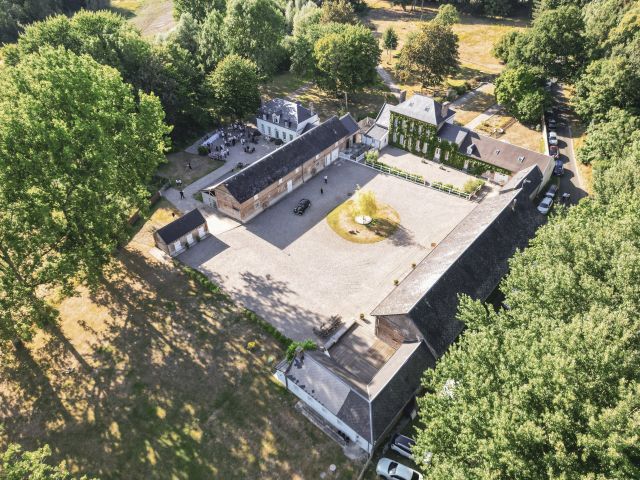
177,166
150,377
476,38
152,17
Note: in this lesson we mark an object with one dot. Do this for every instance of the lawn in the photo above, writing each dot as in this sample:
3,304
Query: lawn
476,38
152,17
177,167
513,131
474,103
150,377
342,221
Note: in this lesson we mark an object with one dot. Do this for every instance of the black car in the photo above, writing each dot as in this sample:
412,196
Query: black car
553,124
302,206
559,168
402,445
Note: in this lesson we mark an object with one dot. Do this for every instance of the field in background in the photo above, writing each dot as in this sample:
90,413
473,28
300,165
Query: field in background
151,376
152,17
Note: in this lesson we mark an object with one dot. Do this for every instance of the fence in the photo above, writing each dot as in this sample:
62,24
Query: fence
419,179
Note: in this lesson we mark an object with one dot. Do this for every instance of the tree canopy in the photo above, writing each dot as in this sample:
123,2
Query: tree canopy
447,14
198,9
16,464
389,39
166,69
340,11
429,55
77,150
255,29
235,83
521,90
347,60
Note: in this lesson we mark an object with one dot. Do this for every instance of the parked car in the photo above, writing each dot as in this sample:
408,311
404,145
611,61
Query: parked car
553,138
558,169
554,151
564,199
402,445
545,205
553,124
302,206
553,189
392,470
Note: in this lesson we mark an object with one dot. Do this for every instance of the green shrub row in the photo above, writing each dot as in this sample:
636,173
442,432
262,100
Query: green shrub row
447,187
306,345
202,280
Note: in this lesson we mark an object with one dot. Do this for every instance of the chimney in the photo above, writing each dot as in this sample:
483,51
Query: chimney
445,109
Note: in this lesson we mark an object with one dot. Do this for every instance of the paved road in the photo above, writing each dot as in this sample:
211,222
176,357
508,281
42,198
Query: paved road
571,181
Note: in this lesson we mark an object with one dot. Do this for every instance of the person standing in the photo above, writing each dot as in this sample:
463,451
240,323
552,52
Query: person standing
326,179
181,194
321,191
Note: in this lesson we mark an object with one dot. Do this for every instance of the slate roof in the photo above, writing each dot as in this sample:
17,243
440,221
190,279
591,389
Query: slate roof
383,117
290,111
529,180
180,227
423,108
368,412
453,133
377,132
503,154
471,260
274,166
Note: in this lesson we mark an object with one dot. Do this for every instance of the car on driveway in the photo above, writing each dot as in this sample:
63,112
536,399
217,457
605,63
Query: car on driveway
392,470
553,138
554,151
402,445
545,205
553,189
302,206
564,199
558,168
553,124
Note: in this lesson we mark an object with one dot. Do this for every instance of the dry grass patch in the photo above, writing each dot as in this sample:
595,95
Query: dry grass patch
150,377
476,102
177,166
151,17
513,131
384,224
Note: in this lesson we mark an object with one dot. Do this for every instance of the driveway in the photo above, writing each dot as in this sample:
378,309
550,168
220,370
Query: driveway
296,272
571,181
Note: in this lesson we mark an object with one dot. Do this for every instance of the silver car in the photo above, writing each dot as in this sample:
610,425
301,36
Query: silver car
553,138
392,470
545,205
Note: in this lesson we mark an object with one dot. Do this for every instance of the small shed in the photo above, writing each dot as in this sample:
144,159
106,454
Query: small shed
180,234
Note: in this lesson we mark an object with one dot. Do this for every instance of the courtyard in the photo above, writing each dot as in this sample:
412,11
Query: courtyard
296,272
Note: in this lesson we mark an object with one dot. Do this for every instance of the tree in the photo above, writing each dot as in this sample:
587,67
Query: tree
198,9
543,390
76,154
608,140
606,83
430,55
255,29
447,15
185,34
164,69
340,11
366,203
347,61
521,90
555,43
502,48
16,464
389,39
211,44
235,83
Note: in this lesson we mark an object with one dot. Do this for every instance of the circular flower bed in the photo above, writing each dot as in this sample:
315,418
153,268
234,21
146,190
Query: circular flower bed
342,220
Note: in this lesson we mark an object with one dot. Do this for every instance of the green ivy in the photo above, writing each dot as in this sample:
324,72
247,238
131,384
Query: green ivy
414,139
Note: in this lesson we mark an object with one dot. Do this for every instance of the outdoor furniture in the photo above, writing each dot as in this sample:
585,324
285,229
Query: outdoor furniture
327,329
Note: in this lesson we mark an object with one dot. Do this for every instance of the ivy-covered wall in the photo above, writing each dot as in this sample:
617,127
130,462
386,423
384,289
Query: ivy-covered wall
411,135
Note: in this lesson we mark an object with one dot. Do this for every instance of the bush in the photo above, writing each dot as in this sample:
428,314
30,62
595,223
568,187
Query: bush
308,344
202,150
472,185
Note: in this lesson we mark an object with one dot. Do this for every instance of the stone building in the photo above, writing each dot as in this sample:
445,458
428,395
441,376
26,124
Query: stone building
175,237
250,191
285,120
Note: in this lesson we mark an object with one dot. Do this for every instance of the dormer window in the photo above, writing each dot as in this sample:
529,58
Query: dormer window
498,151
276,119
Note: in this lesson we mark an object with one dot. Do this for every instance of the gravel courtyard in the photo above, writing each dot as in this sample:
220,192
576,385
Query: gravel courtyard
296,271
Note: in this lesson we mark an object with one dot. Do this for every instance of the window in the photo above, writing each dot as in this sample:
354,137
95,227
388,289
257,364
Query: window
277,134
269,130
290,136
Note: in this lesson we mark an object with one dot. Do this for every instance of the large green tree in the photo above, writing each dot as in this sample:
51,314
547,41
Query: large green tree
389,39
429,55
235,83
198,9
340,11
77,150
164,69
522,91
211,44
255,29
346,61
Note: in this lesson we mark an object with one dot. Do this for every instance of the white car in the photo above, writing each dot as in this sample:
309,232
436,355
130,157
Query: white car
392,470
545,205
553,138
